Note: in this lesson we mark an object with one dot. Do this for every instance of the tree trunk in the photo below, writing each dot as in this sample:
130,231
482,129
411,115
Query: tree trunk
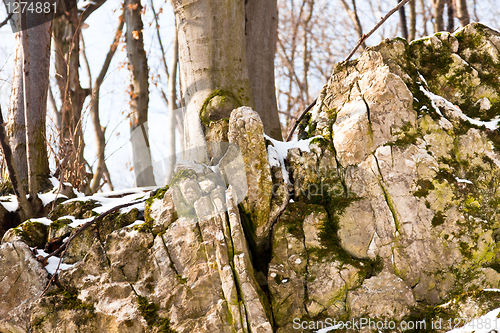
413,20
451,16
213,66
66,33
261,36
462,12
216,55
16,126
172,109
402,22
139,94
438,15
27,115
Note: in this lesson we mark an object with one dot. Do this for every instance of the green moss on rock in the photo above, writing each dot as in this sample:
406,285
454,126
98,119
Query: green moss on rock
34,233
74,208
150,313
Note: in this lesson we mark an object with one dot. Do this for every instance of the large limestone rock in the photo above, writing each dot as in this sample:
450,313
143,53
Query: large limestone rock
22,281
246,131
173,273
413,130
393,214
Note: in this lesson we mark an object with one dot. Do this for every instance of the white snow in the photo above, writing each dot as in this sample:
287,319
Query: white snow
438,101
76,222
52,263
277,153
50,197
42,220
460,180
137,222
109,200
9,202
433,99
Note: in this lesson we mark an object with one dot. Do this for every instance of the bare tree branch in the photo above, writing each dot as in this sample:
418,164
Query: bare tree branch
4,22
102,169
382,20
353,15
7,154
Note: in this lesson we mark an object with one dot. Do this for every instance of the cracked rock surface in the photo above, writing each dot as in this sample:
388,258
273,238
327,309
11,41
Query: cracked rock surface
392,214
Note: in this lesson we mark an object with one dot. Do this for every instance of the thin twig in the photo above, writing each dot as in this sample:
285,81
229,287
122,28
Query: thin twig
297,122
360,42
382,20
4,22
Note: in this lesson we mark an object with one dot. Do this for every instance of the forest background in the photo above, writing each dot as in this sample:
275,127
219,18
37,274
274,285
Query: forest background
312,37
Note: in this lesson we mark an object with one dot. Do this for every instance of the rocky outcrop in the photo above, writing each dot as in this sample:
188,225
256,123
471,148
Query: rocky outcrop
388,211
22,281
246,131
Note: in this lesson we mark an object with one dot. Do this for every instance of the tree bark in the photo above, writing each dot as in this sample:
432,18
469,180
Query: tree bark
172,109
451,15
353,15
462,12
216,55
438,15
261,36
27,115
413,20
402,22
139,94
213,66
16,126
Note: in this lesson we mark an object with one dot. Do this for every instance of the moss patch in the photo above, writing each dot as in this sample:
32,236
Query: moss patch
67,299
147,226
78,209
218,105
150,313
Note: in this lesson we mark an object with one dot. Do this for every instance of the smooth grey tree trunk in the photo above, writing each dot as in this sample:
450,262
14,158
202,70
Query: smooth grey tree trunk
261,36
139,94
27,114
224,62
172,109
438,15
213,65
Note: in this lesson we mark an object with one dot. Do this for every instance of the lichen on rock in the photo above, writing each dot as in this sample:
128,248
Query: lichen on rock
390,214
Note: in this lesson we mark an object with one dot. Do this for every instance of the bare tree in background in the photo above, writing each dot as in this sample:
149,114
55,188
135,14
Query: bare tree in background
26,150
170,98
402,22
462,12
66,32
353,15
438,15
102,169
413,20
139,94
308,47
